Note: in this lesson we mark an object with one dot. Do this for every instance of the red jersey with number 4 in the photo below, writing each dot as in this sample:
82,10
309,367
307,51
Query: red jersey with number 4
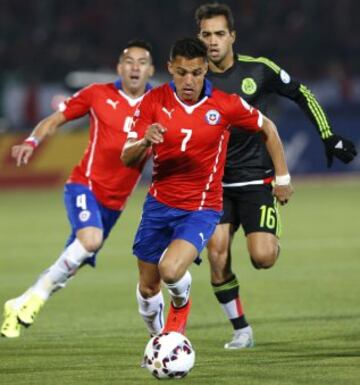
188,165
110,111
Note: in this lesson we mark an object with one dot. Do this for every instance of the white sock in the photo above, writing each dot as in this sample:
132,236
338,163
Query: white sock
19,301
61,271
180,290
246,329
152,311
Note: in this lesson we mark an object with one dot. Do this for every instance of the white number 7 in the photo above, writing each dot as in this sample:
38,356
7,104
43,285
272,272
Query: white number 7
188,134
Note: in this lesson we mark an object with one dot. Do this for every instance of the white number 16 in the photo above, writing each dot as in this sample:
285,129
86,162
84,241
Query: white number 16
188,133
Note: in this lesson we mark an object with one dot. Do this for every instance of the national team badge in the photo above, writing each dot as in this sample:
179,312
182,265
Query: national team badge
84,215
212,117
248,86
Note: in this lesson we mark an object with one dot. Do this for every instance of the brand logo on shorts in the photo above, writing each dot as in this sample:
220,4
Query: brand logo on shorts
203,240
84,215
248,86
212,117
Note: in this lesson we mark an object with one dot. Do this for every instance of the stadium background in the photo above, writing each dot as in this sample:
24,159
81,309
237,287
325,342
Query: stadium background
48,49
305,311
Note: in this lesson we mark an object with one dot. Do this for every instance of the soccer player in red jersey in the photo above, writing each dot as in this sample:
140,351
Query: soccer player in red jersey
185,123
98,187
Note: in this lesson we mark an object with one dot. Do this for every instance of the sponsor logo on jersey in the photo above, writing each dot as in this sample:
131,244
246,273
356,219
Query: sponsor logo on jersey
113,103
285,77
248,86
167,112
212,117
84,215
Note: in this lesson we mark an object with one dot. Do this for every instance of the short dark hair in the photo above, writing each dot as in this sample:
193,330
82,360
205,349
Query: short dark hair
138,44
190,48
210,10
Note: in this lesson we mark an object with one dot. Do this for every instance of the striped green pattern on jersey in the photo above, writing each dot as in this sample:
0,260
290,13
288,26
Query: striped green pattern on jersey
317,112
263,60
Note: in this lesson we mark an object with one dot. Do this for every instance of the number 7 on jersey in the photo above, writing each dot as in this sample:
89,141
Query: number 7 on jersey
188,133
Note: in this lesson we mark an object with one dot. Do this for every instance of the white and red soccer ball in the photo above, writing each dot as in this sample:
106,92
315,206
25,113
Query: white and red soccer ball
169,355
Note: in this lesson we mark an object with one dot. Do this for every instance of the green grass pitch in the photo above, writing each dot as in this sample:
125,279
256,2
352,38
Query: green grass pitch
305,311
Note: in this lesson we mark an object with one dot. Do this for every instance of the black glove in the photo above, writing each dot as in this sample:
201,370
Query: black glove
341,148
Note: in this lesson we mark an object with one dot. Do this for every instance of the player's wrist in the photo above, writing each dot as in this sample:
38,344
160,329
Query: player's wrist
282,180
145,142
32,141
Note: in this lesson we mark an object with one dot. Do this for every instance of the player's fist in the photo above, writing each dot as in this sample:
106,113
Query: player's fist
339,147
283,193
154,134
22,153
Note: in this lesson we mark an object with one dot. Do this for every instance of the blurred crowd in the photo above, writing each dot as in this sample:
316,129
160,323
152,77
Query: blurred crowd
42,40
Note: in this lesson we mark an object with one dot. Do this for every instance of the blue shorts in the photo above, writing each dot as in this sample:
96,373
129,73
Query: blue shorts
83,210
161,224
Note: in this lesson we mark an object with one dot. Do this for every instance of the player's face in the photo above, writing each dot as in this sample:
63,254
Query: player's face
188,76
135,67
215,34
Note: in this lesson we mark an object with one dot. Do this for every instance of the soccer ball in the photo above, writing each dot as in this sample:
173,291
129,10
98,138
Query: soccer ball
169,355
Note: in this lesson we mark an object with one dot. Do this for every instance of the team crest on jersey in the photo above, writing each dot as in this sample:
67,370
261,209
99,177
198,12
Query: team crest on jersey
212,117
248,86
84,215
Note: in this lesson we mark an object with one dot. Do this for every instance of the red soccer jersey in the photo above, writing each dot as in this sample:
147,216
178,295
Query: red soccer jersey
188,165
101,169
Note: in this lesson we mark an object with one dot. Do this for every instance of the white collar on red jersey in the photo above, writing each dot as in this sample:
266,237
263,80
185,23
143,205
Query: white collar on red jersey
132,101
207,91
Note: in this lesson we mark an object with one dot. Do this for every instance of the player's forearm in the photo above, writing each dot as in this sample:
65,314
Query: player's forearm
134,152
311,107
48,126
275,148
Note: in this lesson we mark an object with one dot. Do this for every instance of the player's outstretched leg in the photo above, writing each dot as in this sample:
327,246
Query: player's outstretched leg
180,304
227,294
53,279
26,307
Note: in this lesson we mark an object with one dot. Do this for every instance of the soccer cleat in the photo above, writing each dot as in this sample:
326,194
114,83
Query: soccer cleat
10,327
28,311
242,339
177,318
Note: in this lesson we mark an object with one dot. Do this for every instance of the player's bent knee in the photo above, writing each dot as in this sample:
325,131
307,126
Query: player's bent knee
169,273
264,259
91,240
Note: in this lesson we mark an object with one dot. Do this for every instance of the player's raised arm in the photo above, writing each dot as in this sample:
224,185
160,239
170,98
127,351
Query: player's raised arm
283,189
134,150
48,126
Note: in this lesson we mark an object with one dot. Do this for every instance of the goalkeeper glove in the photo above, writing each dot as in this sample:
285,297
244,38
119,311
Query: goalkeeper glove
339,147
